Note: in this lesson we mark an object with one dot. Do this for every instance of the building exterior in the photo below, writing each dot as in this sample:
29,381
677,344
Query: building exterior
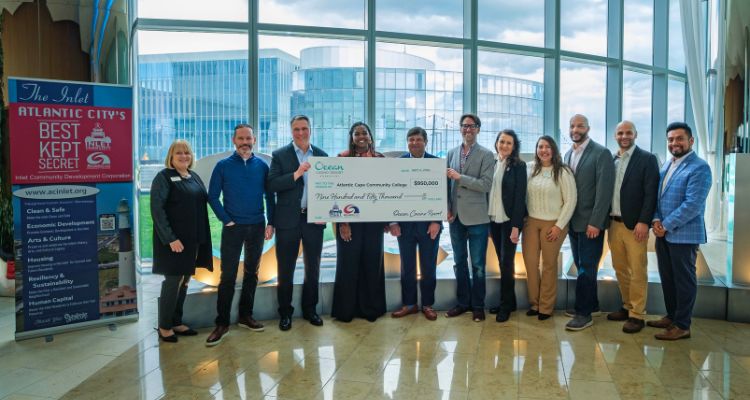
201,96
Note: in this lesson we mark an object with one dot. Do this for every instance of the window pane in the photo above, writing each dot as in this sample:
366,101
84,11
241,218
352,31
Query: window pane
440,17
186,92
676,51
220,10
638,31
512,21
676,101
328,13
636,104
583,89
583,26
522,111
314,77
436,106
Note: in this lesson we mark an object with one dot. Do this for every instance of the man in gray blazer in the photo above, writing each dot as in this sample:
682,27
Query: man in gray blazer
470,170
593,168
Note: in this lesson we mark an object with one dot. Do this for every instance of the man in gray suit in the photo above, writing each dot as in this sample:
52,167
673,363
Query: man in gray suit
470,170
593,168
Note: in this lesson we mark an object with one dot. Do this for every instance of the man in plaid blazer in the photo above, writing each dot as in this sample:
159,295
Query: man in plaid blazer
679,228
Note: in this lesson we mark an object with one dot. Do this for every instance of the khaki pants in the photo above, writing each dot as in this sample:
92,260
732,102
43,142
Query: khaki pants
542,290
630,262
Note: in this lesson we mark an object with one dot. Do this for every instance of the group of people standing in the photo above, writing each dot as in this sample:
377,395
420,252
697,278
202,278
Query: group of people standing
495,194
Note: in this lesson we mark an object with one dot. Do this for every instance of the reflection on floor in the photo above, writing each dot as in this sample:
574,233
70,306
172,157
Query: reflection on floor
409,358
414,358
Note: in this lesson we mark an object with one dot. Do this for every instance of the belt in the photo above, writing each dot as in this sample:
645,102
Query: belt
615,218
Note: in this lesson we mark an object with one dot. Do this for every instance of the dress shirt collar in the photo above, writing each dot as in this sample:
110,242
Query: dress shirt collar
581,147
677,161
629,152
300,151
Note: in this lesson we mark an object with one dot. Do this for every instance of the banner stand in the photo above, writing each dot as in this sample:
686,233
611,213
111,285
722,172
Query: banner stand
72,182
77,327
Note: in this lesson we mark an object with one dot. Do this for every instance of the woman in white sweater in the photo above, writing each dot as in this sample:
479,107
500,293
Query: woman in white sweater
550,200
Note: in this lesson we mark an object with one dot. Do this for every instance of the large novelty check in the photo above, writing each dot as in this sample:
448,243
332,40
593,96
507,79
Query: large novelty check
349,189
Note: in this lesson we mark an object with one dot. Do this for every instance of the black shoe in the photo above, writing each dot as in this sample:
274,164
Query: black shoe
217,335
169,339
186,332
285,323
494,310
543,316
314,319
502,316
456,311
531,313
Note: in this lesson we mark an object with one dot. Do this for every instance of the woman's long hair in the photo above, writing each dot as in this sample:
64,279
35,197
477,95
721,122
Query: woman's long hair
515,155
352,146
557,162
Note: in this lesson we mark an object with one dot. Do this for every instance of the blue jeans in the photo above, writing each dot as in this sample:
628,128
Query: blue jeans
586,254
469,291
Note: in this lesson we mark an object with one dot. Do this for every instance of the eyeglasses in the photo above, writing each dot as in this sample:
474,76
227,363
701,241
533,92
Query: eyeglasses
469,126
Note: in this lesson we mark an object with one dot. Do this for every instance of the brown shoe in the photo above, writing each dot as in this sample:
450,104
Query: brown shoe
673,333
429,313
250,323
404,311
619,315
663,323
456,311
478,315
633,325
217,335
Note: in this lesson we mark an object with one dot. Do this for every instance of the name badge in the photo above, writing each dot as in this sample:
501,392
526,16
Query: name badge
175,179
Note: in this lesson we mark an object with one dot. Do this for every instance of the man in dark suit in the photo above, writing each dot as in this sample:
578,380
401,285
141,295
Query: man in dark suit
422,234
633,206
287,178
595,179
679,228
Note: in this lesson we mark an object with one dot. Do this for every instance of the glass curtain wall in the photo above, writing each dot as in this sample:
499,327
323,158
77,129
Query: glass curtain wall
203,67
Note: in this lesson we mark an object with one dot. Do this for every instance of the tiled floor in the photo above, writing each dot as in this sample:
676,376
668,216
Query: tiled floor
447,359
409,358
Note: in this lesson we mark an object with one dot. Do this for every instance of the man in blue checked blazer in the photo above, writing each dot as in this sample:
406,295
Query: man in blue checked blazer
679,228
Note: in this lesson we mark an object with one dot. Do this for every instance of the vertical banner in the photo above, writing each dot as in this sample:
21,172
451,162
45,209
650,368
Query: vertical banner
72,175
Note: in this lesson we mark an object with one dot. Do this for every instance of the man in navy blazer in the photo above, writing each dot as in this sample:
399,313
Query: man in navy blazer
633,206
287,178
679,228
422,234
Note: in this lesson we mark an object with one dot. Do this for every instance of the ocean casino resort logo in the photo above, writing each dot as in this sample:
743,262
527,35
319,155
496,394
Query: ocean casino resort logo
350,210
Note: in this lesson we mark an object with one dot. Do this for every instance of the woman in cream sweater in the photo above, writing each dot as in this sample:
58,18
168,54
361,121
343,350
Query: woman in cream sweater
550,200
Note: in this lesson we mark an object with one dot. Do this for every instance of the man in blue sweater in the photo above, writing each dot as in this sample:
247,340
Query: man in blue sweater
241,178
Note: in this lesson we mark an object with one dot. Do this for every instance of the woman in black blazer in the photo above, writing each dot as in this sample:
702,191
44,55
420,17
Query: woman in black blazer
507,208
182,237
